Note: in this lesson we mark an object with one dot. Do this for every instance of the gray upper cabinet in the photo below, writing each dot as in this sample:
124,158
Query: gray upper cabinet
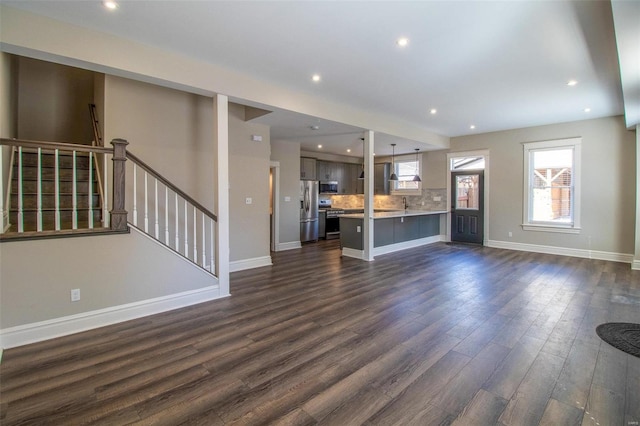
308,168
346,174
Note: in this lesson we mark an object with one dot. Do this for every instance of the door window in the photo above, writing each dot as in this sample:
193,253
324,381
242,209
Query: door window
468,193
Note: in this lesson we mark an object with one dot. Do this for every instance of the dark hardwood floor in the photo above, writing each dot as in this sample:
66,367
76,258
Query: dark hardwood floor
443,334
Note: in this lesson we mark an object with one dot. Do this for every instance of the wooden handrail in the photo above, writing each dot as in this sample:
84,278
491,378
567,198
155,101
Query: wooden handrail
170,185
55,145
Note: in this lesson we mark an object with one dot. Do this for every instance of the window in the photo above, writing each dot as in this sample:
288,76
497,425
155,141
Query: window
552,186
406,167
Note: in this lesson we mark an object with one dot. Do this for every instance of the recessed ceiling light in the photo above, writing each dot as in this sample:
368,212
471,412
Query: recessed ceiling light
315,77
433,111
110,4
572,82
348,149
587,109
473,126
319,146
402,41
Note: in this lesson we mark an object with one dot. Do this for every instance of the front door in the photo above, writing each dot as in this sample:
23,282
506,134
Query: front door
467,206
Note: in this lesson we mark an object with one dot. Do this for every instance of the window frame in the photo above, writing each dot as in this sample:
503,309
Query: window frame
408,158
528,224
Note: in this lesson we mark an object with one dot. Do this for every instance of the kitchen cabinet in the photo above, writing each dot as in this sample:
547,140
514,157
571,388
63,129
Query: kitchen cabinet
308,168
346,174
381,174
322,219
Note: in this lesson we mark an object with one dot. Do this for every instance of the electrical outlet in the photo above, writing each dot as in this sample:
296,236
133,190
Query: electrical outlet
75,294
437,198
358,229
287,199
510,234
248,200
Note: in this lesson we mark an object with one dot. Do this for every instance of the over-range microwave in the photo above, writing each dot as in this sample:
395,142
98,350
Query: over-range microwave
328,187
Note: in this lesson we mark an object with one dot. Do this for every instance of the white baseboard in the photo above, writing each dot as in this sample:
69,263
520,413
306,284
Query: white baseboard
256,262
44,330
564,251
635,265
377,251
356,254
288,246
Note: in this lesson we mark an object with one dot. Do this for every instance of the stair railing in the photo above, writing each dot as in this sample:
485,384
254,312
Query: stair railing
167,214
170,216
97,141
58,204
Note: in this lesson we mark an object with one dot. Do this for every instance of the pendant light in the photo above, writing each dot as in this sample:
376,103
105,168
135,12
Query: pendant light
362,172
393,176
416,178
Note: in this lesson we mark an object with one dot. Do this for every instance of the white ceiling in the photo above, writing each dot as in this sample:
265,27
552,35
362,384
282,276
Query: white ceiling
495,64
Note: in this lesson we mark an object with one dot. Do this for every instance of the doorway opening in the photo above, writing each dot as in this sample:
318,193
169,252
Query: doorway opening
467,193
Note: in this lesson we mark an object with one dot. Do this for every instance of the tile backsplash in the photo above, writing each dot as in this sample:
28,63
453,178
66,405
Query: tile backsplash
426,201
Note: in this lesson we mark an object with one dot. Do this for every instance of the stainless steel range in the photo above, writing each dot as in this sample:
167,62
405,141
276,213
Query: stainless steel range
332,221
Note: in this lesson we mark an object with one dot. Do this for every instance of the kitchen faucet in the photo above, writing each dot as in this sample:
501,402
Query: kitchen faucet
404,202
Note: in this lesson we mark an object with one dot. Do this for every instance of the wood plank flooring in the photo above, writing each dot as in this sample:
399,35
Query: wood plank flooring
443,334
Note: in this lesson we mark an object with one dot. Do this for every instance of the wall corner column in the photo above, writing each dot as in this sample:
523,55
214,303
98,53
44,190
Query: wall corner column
636,257
221,140
367,219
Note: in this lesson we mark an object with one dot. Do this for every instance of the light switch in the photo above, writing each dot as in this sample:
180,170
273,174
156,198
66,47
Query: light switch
437,198
358,229
248,200
287,198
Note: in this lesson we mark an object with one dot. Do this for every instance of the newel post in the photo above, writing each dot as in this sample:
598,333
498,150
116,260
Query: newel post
118,213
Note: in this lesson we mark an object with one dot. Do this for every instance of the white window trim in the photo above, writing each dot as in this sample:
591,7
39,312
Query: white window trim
408,157
570,228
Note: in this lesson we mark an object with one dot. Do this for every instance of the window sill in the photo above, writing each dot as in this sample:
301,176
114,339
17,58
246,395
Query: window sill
551,228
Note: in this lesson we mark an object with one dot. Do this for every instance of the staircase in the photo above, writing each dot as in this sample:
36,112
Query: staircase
87,193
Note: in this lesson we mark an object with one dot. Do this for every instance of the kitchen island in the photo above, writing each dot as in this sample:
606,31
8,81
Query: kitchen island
392,231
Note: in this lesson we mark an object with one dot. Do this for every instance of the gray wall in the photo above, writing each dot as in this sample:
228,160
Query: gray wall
608,183
139,269
170,130
288,154
53,102
248,178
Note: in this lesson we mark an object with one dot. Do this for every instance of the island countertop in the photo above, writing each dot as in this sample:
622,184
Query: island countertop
395,213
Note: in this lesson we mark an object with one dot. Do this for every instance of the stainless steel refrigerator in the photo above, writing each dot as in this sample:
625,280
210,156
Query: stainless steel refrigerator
308,210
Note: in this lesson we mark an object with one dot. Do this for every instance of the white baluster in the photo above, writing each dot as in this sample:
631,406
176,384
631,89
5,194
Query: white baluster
195,236
105,201
146,204
135,195
74,193
166,215
204,243
212,267
186,230
20,207
157,212
90,200
57,188
177,228
39,192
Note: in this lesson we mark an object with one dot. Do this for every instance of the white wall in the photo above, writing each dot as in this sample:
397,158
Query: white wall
608,184
288,154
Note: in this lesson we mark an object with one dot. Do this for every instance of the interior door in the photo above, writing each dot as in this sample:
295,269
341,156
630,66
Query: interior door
467,206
